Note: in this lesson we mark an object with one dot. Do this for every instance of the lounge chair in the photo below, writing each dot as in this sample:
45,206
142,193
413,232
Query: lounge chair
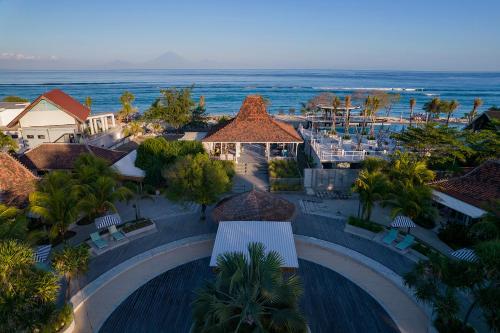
405,243
98,241
116,234
390,237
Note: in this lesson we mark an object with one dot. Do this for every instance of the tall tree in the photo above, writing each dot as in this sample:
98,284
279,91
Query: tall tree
250,294
7,143
88,102
173,107
371,187
70,262
198,179
128,110
335,104
476,105
199,116
347,103
431,108
448,107
56,201
413,102
375,106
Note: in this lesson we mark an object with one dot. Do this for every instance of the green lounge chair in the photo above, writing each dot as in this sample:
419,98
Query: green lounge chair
116,234
405,243
98,241
390,237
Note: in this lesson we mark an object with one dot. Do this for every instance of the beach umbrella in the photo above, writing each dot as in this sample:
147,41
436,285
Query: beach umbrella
401,221
465,254
107,221
42,252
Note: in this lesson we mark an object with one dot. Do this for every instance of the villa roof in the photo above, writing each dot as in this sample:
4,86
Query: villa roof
62,156
16,181
253,206
63,101
253,124
477,187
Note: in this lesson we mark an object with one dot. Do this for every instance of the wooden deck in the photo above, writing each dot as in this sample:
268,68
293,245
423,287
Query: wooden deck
330,302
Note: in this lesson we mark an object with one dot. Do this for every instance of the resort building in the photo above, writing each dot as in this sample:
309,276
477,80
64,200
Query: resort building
485,120
57,117
465,199
62,156
9,111
16,182
253,132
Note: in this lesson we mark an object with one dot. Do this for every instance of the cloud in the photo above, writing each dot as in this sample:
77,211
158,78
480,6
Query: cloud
21,56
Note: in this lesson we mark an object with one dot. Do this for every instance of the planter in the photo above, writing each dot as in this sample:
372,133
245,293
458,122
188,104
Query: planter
141,230
359,231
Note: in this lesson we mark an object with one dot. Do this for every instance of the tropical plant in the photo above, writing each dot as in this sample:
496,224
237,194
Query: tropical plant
173,107
250,294
7,143
409,169
56,202
88,102
335,104
371,187
448,107
70,262
413,102
199,179
27,294
431,108
199,116
476,105
87,168
13,225
133,128
414,201
14,99
484,144
139,194
347,116
128,110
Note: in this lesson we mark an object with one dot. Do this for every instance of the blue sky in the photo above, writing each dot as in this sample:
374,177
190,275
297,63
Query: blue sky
363,34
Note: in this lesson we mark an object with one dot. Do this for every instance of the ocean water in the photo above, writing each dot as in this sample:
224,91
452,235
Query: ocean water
224,90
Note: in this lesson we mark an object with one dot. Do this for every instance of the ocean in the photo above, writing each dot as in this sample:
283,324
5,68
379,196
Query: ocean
224,90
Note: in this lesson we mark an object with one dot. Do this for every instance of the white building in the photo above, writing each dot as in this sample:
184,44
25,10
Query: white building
9,111
57,117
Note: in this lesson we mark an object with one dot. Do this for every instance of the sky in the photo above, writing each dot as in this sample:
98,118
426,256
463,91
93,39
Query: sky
358,34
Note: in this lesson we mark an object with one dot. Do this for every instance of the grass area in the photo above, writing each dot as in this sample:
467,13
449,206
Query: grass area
131,226
368,225
283,169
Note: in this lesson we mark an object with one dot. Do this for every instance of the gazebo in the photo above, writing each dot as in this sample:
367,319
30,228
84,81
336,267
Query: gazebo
253,206
253,125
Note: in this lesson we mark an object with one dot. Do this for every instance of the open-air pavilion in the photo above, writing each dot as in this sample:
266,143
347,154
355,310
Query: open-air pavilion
253,129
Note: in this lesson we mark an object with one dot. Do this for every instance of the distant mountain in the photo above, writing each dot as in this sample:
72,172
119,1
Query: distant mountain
167,60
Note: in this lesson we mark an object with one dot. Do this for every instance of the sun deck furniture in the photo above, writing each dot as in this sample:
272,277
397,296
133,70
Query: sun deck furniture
390,237
115,233
405,243
98,241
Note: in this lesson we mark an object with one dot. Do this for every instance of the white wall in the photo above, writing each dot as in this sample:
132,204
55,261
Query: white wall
46,114
7,115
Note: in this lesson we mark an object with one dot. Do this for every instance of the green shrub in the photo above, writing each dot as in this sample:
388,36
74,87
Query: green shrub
455,235
131,226
368,225
423,249
276,187
284,169
59,320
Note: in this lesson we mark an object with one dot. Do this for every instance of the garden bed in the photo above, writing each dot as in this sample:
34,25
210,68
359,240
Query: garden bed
365,229
137,227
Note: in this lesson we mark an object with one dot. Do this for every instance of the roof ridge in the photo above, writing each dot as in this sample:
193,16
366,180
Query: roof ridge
21,164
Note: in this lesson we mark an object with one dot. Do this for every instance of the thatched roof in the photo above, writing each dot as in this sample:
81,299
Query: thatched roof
253,206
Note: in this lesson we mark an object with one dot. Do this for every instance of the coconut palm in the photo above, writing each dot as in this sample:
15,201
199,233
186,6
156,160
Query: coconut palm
336,104
250,294
14,225
56,201
413,101
87,168
127,110
70,262
347,104
371,187
88,102
477,104
410,200
448,107
99,197
431,108
366,113
409,169
375,107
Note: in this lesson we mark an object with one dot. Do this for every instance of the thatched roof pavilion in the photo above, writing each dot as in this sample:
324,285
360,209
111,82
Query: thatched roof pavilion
254,206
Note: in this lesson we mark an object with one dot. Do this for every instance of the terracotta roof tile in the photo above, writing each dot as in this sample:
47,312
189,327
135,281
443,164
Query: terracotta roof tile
62,156
253,124
477,187
16,181
63,101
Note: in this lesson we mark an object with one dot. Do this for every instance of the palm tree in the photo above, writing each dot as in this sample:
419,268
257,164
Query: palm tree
14,225
431,108
409,169
448,107
335,103
477,104
87,168
375,106
371,187
366,113
88,102
127,110
70,262
410,200
250,294
413,101
133,128
347,103
7,143
56,201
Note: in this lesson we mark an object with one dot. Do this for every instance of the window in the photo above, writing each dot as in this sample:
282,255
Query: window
41,137
30,136
14,136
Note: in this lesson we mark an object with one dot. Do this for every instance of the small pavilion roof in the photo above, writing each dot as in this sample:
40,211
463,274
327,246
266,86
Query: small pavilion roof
16,181
254,206
254,124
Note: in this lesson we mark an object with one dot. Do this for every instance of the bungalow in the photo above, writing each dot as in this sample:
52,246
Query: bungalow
465,199
486,120
57,117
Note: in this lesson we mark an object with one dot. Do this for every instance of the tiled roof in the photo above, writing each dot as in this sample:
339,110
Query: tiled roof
16,181
62,100
478,187
253,124
62,156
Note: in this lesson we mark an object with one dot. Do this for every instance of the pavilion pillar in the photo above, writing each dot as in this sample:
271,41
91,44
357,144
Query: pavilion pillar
113,120
296,150
268,150
104,122
238,149
91,128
